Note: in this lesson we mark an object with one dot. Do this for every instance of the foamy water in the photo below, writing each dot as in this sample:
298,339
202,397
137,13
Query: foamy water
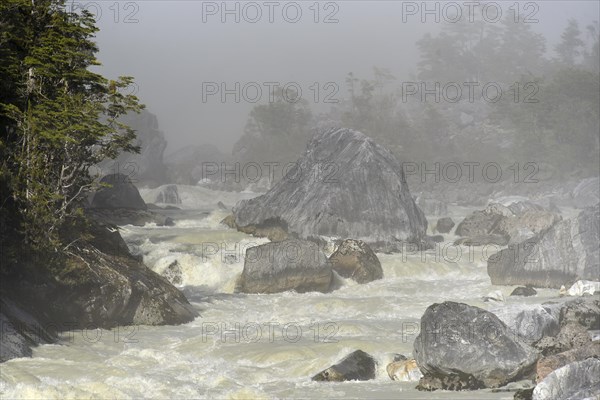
255,346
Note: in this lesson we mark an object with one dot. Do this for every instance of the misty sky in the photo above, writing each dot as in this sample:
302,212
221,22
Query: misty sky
171,51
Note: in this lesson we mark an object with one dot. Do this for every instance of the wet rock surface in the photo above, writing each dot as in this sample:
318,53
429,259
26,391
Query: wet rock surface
357,366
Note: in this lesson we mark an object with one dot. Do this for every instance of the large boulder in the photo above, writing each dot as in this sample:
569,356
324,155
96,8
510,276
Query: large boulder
357,366
103,285
117,191
294,264
354,259
465,347
578,380
99,285
344,186
566,252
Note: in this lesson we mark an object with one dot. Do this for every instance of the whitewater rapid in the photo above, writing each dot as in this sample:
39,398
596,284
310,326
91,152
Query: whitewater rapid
255,346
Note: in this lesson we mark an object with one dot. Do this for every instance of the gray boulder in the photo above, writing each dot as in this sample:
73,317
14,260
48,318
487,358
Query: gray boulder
444,225
119,193
275,267
357,366
101,286
465,347
578,380
561,255
344,186
354,259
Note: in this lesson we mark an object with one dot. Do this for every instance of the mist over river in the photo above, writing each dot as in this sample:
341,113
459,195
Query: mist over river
257,346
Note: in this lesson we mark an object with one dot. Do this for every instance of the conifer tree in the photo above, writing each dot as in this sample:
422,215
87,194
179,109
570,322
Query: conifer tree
57,119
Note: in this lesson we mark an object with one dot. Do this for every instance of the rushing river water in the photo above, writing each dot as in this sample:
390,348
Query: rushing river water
256,346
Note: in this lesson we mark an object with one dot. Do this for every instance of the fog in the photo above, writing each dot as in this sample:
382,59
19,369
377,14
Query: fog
171,51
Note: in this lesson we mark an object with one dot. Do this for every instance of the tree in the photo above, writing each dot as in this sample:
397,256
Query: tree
57,119
571,45
277,131
592,57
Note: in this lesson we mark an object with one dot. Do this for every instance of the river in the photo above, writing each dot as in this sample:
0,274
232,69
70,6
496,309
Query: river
257,346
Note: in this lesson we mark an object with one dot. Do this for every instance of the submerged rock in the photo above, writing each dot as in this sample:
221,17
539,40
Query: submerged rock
173,273
444,225
275,267
578,380
566,252
345,186
354,259
465,347
357,366
524,291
